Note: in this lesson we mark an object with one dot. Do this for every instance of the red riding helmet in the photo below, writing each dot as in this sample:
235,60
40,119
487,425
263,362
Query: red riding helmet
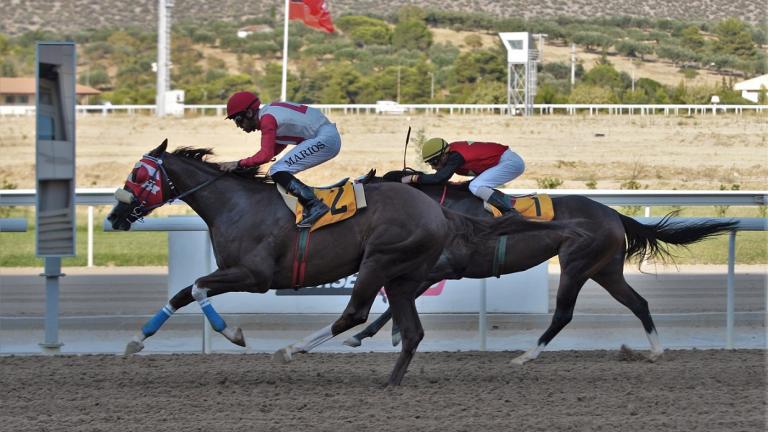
240,102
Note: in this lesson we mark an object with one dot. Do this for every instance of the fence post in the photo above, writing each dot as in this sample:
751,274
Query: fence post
90,236
730,291
482,318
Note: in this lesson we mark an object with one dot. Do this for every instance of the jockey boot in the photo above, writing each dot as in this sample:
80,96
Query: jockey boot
313,207
501,202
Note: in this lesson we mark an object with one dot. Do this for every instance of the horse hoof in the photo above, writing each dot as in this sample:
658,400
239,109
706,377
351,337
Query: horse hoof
133,347
518,361
653,357
235,336
396,339
283,355
353,342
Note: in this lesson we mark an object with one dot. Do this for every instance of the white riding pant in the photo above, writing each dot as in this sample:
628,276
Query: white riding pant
310,152
510,167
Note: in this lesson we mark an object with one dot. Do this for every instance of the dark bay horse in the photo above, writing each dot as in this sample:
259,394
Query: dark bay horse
392,243
609,240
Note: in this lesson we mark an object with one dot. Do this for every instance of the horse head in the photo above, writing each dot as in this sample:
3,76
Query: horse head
145,189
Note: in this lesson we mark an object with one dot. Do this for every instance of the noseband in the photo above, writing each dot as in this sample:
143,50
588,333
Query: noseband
142,209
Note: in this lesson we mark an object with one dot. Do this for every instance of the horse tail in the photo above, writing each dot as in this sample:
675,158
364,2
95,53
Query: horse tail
491,228
646,241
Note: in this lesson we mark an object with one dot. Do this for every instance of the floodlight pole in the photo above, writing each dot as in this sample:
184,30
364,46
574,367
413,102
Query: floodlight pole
163,54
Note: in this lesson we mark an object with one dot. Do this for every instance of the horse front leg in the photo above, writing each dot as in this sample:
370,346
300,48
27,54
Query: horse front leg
181,299
219,282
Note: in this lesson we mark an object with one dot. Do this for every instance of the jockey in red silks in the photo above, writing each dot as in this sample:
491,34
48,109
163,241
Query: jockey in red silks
313,137
490,163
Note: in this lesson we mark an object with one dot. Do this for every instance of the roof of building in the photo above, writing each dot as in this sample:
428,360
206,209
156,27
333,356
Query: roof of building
753,84
257,28
26,86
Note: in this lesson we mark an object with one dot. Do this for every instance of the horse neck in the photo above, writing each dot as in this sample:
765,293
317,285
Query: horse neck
208,202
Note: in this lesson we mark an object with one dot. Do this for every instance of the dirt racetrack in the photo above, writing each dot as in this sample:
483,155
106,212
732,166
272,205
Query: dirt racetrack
712,390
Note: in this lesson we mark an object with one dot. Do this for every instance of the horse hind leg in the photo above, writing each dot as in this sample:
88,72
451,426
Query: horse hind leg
373,328
567,292
614,282
402,302
368,283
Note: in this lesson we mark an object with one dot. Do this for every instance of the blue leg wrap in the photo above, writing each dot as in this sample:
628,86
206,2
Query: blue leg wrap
217,322
157,321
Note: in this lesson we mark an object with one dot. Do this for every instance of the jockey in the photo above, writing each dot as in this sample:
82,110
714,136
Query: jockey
492,165
313,137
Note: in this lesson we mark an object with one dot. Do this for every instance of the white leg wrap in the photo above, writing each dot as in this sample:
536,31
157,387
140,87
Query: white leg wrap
656,347
529,355
312,341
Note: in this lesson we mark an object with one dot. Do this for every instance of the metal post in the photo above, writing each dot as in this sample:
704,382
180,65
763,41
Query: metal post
483,319
729,298
52,274
284,82
90,236
207,329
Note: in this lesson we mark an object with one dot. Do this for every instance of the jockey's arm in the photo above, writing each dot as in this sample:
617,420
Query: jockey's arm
269,148
442,175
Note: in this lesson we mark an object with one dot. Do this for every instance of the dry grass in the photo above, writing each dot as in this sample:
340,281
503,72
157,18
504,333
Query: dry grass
659,152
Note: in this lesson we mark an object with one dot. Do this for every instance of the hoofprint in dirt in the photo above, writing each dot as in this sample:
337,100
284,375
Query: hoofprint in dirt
712,390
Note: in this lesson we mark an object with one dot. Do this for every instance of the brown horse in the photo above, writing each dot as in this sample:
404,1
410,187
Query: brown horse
393,242
609,239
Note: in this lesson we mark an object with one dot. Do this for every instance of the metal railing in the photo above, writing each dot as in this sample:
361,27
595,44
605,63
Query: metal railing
647,198
13,225
541,109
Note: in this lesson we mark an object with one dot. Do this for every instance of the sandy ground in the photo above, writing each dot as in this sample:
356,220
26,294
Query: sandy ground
708,390
659,152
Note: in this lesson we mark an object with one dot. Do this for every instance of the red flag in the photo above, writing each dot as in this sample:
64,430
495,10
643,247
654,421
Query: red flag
314,13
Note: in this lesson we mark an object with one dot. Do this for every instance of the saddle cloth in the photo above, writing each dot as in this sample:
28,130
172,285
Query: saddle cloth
343,198
537,207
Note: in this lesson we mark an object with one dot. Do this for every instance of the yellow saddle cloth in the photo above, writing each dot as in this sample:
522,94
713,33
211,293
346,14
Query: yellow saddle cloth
538,207
343,198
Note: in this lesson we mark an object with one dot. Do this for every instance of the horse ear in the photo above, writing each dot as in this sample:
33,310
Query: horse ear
157,152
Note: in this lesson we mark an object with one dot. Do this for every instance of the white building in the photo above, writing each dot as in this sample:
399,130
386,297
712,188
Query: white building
751,88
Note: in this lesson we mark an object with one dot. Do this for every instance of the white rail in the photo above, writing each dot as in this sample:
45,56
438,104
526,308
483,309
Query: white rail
105,196
542,109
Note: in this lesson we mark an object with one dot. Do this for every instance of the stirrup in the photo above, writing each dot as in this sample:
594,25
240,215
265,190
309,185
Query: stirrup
319,209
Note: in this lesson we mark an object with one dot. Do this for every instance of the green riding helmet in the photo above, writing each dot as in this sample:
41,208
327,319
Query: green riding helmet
433,148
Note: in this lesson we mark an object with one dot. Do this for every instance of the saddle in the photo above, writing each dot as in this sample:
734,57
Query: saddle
344,198
536,207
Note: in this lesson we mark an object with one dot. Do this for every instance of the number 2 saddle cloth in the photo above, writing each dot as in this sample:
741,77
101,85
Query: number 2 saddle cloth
344,198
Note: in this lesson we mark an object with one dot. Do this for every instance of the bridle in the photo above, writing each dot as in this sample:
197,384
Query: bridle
139,204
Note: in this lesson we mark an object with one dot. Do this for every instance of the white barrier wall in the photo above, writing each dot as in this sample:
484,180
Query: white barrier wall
192,257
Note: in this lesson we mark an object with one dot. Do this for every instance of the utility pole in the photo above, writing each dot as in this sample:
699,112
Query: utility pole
163,54
573,64
398,84
432,86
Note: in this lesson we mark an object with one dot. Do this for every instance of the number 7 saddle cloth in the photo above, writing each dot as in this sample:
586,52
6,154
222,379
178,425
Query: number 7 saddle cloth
344,198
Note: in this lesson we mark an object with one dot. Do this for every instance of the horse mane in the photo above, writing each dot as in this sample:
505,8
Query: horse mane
193,153
200,154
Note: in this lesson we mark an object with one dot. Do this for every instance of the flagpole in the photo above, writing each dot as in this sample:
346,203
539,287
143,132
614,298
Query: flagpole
285,54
